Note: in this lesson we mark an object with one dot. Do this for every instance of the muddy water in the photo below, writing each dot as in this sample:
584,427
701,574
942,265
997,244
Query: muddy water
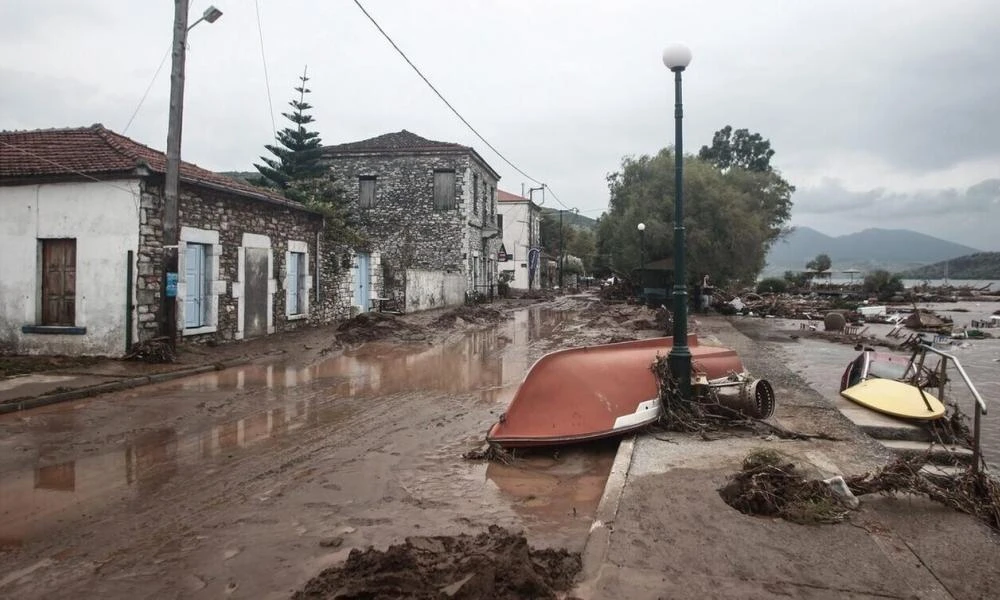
822,363
364,446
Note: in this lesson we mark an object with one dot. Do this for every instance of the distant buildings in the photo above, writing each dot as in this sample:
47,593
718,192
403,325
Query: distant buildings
520,220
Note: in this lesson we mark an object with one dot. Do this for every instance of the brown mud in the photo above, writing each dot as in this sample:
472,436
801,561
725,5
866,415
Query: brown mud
496,564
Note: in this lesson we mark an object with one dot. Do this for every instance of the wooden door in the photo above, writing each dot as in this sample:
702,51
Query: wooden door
59,282
255,292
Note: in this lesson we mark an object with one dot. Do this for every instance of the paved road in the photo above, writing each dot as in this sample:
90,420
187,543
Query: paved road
247,482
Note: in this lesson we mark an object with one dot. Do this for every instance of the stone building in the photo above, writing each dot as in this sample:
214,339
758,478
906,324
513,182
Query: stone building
81,250
430,208
520,222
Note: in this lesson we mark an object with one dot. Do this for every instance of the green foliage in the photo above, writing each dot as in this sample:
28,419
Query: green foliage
796,279
772,285
326,197
883,284
583,245
298,152
738,149
731,217
821,263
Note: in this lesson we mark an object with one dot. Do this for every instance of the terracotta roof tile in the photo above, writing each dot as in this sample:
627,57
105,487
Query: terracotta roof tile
503,196
95,151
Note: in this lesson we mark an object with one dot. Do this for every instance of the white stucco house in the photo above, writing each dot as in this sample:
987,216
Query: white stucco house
81,251
519,219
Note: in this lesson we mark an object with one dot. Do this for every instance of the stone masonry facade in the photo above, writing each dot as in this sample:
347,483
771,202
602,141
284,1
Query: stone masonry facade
232,216
403,223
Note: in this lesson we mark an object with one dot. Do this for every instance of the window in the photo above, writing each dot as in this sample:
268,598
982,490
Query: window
366,192
492,201
297,273
444,190
198,296
500,223
59,282
475,193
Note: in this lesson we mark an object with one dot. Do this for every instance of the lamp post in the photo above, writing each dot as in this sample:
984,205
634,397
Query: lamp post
171,184
677,57
642,258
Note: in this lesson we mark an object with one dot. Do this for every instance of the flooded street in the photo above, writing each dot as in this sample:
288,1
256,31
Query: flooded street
247,482
821,363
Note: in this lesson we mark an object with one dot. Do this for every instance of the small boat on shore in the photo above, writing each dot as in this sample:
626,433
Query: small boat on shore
599,391
885,383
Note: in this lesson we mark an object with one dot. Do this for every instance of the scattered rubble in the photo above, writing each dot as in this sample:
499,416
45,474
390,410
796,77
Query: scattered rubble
473,315
154,350
496,564
371,326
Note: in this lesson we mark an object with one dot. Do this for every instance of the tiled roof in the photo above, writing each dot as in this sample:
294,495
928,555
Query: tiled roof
389,142
96,151
503,196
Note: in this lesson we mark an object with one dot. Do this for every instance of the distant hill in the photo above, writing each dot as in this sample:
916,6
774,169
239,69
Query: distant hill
570,219
891,249
982,265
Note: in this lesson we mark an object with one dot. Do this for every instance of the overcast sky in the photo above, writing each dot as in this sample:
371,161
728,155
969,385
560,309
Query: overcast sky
882,113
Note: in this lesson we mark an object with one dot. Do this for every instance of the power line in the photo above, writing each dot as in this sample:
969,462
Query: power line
448,104
74,171
148,88
263,60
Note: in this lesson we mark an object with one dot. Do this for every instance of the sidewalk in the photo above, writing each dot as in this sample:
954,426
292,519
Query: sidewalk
663,531
23,392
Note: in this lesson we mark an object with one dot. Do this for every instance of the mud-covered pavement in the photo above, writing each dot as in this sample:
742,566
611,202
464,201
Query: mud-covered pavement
250,481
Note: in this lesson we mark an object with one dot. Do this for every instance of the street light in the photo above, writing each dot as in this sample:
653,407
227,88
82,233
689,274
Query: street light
642,257
171,184
677,57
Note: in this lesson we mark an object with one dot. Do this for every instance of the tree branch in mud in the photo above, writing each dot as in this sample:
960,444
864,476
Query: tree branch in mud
705,414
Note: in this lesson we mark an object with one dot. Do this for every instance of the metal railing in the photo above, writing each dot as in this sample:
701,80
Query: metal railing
980,409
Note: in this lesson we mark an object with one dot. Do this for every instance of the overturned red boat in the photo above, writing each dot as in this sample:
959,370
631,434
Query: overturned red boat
601,391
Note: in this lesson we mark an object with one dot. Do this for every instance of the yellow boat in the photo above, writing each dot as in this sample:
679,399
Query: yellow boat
879,382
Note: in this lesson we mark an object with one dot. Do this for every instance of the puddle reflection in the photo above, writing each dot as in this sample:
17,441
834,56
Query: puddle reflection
489,363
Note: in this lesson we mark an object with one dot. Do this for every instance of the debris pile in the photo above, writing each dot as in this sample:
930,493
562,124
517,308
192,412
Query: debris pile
769,485
975,493
472,315
496,564
154,350
620,290
927,321
370,326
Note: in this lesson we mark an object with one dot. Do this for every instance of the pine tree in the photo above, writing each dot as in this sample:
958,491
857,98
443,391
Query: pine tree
297,156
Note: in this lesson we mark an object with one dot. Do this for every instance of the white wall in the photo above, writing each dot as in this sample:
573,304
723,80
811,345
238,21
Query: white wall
433,289
516,235
103,217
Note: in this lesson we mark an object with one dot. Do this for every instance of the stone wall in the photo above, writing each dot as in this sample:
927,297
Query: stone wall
232,216
403,224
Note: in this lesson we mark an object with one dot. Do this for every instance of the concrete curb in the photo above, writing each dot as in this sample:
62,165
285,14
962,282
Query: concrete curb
117,386
595,550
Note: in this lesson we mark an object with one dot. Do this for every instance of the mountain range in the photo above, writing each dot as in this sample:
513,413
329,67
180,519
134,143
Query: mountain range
890,249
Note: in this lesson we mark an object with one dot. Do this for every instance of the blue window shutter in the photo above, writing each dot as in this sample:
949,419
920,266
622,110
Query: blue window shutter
194,271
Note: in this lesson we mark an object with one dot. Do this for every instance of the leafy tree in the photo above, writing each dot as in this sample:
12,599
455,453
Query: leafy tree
772,285
796,279
883,284
326,196
731,217
738,149
297,154
821,263
584,246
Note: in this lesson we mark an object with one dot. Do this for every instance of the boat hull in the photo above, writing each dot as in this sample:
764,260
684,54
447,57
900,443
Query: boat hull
595,392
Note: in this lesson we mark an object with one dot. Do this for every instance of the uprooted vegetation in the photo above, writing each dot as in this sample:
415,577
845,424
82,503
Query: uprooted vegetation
768,484
496,564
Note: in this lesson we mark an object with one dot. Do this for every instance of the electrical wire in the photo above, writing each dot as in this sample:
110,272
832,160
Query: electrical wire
135,197
263,60
148,88
449,105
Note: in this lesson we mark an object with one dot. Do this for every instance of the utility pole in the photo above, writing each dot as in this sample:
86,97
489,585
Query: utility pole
171,184
561,254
